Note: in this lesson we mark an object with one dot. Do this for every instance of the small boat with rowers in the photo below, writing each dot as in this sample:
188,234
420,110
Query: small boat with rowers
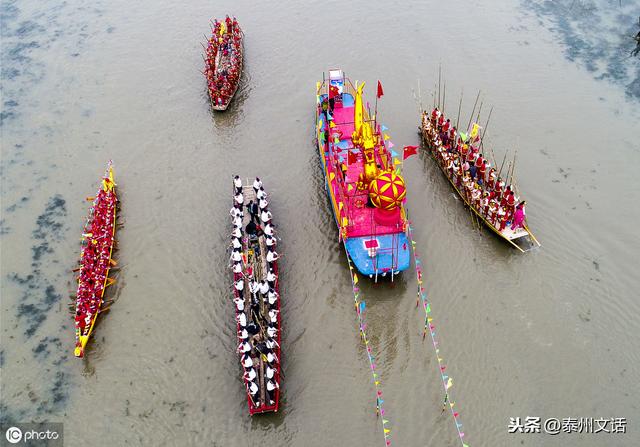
362,179
256,295
223,62
95,260
480,185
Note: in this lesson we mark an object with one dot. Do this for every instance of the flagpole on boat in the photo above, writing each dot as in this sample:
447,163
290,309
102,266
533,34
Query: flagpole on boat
474,110
484,131
459,108
502,165
479,110
444,96
439,80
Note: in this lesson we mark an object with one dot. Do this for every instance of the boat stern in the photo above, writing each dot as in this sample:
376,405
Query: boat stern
381,255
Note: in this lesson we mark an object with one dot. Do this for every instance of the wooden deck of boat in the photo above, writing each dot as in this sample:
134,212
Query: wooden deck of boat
256,259
255,252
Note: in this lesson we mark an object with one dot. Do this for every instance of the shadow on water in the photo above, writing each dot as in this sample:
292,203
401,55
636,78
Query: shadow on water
596,34
37,298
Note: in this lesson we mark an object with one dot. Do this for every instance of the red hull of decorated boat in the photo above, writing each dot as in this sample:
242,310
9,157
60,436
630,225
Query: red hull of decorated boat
223,62
95,260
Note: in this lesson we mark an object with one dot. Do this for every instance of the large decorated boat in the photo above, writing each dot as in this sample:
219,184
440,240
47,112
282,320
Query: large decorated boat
490,192
362,178
223,62
256,295
95,260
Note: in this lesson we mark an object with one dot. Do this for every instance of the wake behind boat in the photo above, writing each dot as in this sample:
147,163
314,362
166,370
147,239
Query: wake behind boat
478,183
256,295
95,260
223,62
366,190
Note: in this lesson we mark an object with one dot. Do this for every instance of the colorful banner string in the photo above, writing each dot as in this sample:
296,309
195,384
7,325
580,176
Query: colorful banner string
447,382
360,306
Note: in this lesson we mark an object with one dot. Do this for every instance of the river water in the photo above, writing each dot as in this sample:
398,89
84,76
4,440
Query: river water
551,333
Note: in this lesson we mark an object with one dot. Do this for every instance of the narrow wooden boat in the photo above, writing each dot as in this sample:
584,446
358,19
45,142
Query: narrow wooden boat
485,192
95,260
223,62
362,179
256,295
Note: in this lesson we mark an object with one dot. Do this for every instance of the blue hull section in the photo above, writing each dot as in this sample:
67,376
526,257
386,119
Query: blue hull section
365,264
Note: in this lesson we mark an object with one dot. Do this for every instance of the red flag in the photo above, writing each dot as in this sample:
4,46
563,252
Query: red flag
408,151
380,92
352,158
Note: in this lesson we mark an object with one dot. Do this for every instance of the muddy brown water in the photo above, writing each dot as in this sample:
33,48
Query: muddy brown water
553,333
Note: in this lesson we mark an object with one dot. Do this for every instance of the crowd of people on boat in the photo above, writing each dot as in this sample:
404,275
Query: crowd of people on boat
95,258
255,291
222,60
481,185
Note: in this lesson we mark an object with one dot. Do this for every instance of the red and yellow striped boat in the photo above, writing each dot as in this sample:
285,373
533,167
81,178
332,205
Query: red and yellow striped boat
95,260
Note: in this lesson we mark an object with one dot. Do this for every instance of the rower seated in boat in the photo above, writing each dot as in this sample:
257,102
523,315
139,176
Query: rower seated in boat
268,229
271,279
265,216
272,297
251,374
270,388
263,287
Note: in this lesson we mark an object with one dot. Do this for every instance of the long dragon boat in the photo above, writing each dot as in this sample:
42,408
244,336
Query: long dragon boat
479,184
223,62
95,260
256,295
362,180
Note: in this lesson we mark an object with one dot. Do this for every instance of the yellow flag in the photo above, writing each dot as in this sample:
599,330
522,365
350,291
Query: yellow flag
223,28
332,175
449,383
474,130
396,161
355,278
340,206
349,188
345,221
386,430
318,88
331,125
386,137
